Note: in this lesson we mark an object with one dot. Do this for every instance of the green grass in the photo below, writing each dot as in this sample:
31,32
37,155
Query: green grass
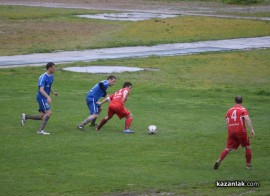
256,14
241,2
187,99
27,30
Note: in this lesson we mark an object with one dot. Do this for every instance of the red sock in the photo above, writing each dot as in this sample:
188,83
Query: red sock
103,122
128,122
223,154
248,156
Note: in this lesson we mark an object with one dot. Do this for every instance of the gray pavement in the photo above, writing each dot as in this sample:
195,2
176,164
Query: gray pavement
136,51
138,16
130,16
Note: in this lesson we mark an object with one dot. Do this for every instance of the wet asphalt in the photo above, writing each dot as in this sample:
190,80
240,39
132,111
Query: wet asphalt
136,51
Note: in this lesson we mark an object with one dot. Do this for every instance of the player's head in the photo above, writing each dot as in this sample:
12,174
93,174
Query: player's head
238,99
50,67
50,64
127,84
111,79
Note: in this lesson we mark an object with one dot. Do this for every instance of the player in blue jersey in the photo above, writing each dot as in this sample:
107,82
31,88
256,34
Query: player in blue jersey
98,91
44,100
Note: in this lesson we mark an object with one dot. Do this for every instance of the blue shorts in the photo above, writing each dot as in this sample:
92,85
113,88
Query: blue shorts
92,106
43,105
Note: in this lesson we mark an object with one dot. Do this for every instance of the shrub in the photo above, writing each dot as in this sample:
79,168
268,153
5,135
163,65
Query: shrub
241,1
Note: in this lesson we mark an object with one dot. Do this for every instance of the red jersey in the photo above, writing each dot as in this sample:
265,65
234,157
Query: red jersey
235,119
117,97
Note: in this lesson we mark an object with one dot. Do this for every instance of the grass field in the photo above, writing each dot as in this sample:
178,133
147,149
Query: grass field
58,29
187,99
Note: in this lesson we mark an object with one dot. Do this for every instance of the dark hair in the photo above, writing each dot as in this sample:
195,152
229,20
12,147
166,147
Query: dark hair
111,77
50,64
238,99
127,84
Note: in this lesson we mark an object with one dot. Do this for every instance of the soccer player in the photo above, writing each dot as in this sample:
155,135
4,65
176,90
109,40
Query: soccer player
44,100
116,106
98,91
237,133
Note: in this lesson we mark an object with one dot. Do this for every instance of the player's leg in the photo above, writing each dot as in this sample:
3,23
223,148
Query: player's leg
105,120
224,153
222,156
43,123
25,117
232,143
128,121
244,140
33,117
93,122
46,113
93,109
125,113
248,157
87,120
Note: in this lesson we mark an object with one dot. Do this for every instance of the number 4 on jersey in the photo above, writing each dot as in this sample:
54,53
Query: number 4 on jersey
234,116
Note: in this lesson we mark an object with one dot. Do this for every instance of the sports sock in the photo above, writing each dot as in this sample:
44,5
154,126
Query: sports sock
37,117
44,122
248,156
223,154
87,120
103,122
128,122
93,122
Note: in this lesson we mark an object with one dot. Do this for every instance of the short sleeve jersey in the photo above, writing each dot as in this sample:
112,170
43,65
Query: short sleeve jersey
97,92
235,119
45,81
117,96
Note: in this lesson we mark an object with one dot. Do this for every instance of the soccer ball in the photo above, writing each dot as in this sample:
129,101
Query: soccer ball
152,129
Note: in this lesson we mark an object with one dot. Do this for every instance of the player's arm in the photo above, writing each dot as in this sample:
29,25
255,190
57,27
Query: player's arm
249,124
102,87
125,95
54,92
107,99
227,121
42,91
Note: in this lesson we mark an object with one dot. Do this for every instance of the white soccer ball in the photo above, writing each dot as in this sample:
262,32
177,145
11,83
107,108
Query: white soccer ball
152,129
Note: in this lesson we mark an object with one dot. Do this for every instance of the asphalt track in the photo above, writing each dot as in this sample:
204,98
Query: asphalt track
136,51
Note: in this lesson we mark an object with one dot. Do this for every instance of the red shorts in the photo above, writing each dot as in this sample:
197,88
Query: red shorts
236,138
119,110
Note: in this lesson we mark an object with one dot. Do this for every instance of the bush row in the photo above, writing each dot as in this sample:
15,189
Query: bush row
241,1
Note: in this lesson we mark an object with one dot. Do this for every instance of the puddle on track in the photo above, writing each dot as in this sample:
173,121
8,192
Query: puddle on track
103,69
132,16
136,52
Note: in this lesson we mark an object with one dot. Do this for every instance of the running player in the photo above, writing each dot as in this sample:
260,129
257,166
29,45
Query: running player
98,91
237,134
116,106
44,100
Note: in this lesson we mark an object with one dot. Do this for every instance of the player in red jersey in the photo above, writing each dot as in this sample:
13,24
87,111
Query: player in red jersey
116,106
237,133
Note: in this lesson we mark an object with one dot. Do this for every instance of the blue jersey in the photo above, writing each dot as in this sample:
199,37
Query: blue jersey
98,90
45,80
